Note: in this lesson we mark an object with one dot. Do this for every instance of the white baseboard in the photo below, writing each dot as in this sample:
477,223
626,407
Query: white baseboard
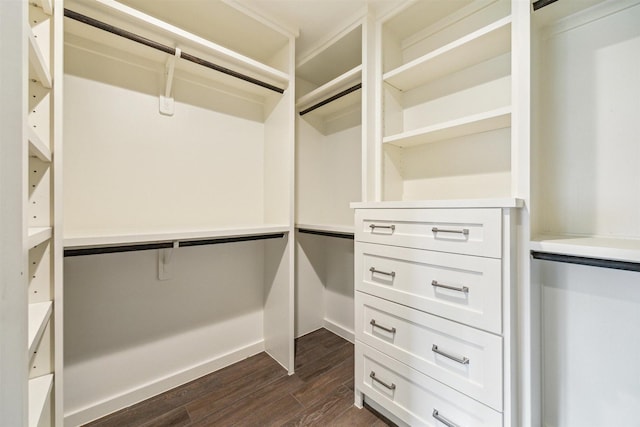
133,396
339,330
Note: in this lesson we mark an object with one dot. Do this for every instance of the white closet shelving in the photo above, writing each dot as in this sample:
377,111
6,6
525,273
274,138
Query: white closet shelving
586,195
585,187
331,106
446,94
42,216
179,181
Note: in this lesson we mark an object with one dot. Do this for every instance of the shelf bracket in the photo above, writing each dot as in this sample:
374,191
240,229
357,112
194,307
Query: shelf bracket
167,105
164,259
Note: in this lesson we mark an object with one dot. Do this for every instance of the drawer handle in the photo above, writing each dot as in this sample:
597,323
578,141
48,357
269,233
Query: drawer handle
462,360
388,227
464,231
464,289
373,270
391,386
443,420
375,325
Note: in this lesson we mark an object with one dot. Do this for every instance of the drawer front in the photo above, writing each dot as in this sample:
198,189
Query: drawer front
464,358
463,288
416,398
464,231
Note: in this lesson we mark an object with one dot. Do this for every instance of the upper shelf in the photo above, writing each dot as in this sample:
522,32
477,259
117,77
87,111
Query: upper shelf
627,250
336,86
45,5
37,235
479,46
482,122
164,38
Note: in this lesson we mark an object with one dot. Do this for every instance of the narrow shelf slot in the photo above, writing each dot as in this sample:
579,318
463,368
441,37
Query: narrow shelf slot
326,233
168,49
38,62
37,235
39,394
37,147
39,315
477,123
479,46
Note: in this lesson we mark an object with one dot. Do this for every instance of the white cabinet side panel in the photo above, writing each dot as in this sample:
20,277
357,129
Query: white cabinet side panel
310,270
339,288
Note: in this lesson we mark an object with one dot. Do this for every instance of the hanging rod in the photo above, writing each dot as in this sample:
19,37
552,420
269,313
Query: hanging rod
331,99
539,4
166,49
326,233
593,262
167,245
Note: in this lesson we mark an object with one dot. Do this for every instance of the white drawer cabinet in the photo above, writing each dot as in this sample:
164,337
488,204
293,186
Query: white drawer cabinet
463,231
463,288
417,399
434,302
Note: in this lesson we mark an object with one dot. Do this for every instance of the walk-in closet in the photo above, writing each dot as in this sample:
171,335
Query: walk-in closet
288,212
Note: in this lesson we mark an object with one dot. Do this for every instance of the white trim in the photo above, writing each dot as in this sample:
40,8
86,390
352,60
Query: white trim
339,330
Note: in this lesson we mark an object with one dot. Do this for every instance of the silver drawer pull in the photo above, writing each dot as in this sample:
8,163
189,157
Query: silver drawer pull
392,273
453,288
391,386
375,325
443,420
462,360
464,231
388,227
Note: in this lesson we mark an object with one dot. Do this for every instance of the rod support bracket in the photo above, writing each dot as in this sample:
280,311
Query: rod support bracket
167,104
164,260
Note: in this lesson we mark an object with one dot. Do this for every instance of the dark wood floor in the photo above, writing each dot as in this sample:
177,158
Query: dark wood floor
258,392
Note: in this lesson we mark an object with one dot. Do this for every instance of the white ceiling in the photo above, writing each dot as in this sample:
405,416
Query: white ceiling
315,19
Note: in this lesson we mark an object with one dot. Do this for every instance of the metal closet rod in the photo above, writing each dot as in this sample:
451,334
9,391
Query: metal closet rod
166,49
326,233
539,4
167,245
331,99
593,262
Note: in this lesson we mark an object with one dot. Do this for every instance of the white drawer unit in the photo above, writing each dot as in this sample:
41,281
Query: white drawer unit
417,399
464,231
467,289
465,358
434,303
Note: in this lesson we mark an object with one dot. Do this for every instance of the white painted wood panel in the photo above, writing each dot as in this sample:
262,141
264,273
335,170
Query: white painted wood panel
434,229
414,272
416,396
417,338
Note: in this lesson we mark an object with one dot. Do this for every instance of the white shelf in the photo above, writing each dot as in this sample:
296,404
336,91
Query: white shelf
102,238
38,62
335,86
39,315
37,147
45,5
430,204
590,247
479,46
132,20
477,123
37,235
328,228
39,394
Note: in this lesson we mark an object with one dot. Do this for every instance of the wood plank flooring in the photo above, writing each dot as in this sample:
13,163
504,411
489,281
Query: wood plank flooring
258,392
